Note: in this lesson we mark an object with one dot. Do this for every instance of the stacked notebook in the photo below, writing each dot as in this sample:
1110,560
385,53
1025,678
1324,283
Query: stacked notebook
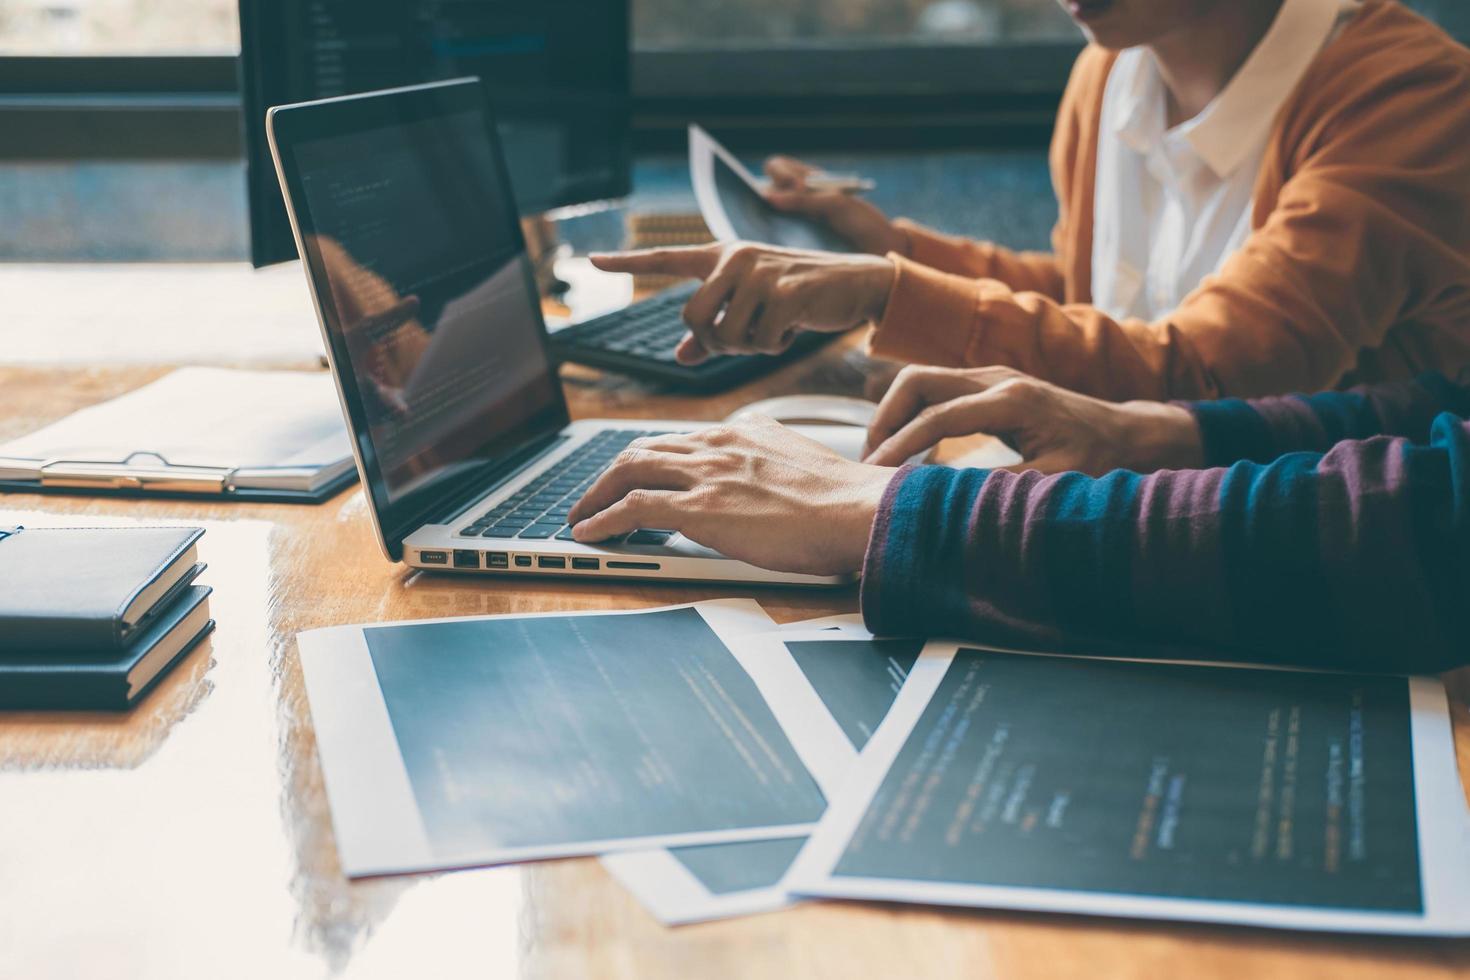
93,617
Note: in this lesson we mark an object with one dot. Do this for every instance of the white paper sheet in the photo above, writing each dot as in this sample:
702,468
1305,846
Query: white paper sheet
663,882
279,429
379,826
1440,814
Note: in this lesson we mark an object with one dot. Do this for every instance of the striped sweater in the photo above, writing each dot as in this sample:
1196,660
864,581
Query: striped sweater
1329,530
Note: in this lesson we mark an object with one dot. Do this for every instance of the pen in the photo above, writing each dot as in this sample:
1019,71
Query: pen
842,183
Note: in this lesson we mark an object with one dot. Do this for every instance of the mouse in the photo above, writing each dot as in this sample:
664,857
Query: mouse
813,410
841,424
837,422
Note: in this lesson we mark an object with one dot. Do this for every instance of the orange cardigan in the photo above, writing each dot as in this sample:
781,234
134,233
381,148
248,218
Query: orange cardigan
1357,268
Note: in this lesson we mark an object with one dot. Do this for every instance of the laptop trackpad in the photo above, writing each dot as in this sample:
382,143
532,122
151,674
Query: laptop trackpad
684,548
669,543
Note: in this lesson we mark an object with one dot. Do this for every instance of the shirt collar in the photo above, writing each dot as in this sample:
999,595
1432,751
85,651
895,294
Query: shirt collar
1139,121
1233,125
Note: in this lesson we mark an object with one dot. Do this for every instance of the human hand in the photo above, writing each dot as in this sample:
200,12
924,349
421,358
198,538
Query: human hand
756,297
851,216
755,491
1054,429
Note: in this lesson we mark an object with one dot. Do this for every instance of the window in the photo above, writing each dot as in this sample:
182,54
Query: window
118,27
744,23
79,27
140,27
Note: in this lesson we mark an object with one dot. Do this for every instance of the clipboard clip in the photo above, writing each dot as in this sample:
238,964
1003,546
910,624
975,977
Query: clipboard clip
128,475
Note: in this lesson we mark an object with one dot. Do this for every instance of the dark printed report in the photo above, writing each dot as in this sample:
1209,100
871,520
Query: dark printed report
857,680
526,732
1164,780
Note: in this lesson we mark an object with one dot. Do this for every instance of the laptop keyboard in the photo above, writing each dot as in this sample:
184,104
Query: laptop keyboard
539,509
651,328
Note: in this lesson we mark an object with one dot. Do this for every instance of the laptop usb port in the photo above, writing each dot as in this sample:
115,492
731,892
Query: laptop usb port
497,559
523,561
466,559
586,564
542,561
434,557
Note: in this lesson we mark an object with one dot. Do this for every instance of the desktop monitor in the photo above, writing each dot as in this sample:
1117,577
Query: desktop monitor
556,72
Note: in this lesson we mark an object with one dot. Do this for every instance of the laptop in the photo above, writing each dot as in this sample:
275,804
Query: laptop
404,218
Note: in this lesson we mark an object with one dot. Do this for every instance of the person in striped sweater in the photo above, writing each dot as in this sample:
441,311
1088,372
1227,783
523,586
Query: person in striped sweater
1328,530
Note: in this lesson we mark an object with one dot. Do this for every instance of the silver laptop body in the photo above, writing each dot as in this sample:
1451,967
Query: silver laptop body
404,219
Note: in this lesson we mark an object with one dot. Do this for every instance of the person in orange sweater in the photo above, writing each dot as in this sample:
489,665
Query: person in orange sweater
1255,196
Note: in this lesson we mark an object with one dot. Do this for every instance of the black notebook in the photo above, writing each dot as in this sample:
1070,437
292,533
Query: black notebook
107,680
89,590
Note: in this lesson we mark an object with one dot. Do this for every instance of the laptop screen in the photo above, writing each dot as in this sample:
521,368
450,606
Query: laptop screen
415,251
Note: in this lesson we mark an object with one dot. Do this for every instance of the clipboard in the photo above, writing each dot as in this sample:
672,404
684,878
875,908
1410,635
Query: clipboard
164,480
289,447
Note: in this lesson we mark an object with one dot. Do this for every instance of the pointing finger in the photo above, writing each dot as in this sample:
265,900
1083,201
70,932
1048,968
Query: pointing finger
692,262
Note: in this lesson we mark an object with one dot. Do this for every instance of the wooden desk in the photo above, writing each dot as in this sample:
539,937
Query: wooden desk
191,837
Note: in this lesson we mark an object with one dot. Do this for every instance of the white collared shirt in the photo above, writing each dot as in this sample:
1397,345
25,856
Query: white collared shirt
1172,204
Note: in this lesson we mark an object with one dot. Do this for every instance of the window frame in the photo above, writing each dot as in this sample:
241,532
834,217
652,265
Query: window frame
879,96
801,96
119,107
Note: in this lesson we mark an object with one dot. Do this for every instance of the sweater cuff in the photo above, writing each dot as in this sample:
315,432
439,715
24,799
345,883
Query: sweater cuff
916,540
1446,395
928,316
938,251
1230,431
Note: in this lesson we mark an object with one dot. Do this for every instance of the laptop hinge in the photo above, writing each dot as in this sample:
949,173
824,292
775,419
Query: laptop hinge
451,510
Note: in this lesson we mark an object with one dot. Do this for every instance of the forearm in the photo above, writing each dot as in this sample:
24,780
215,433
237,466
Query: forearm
1036,272
1263,429
1356,559
952,321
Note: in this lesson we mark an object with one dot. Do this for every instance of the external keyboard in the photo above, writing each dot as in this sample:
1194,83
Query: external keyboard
539,509
650,329
639,340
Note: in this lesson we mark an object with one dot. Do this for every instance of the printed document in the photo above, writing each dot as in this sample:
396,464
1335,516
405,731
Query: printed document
449,743
1282,798
848,680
